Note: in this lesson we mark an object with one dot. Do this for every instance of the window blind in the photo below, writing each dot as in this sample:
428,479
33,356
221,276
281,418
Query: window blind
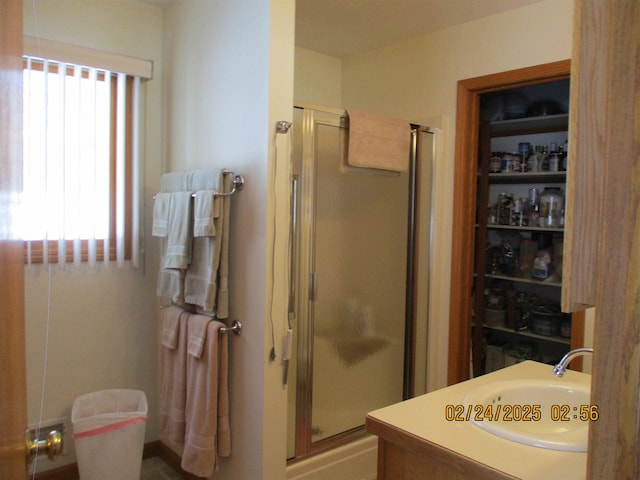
81,164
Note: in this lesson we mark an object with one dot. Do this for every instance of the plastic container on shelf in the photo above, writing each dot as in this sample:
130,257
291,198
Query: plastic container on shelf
551,208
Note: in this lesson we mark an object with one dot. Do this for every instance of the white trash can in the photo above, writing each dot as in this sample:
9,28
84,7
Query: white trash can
108,432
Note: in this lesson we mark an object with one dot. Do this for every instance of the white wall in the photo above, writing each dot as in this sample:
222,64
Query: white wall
102,322
417,79
318,78
229,78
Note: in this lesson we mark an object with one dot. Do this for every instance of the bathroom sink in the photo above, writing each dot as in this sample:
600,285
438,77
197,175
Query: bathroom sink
551,414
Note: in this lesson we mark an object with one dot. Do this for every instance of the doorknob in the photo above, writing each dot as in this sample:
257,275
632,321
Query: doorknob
52,444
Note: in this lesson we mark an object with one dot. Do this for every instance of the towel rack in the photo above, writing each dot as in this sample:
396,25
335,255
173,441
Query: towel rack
235,328
238,184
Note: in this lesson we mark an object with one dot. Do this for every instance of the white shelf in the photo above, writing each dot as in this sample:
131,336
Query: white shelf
523,280
526,333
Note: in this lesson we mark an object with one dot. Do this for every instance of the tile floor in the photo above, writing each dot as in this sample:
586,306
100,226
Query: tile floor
155,469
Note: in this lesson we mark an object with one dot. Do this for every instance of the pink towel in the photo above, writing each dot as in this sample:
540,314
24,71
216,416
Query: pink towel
207,433
379,142
173,376
170,326
197,334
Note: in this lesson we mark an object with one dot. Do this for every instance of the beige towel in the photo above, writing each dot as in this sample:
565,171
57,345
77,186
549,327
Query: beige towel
204,213
173,377
222,297
204,442
377,141
161,206
197,334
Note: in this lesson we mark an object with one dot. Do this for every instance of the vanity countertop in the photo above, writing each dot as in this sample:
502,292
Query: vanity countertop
420,422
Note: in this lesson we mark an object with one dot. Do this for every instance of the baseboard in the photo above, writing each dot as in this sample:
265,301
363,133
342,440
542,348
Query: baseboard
172,459
151,449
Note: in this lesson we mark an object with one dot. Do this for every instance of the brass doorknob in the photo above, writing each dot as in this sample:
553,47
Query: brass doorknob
52,445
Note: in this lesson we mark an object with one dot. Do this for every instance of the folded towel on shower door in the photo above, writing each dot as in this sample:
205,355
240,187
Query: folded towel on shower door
207,424
173,376
376,141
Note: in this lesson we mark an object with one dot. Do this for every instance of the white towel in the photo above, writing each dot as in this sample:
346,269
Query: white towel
376,141
206,207
179,235
174,182
201,285
161,207
204,179
171,283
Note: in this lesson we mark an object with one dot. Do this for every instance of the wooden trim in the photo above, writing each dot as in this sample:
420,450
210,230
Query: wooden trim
416,453
152,449
13,388
65,52
614,440
583,212
464,201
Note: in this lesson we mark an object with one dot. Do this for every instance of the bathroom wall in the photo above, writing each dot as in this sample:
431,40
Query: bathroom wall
417,80
318,78
229,78
97,327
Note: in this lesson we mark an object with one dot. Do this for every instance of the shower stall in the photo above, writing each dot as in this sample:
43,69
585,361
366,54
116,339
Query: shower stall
353,299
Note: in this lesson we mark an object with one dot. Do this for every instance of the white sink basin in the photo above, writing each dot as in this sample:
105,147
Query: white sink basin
551,414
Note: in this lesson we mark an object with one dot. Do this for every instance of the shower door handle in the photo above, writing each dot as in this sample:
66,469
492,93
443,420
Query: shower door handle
313,286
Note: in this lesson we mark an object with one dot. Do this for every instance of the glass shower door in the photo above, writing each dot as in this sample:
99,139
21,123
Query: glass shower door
352,283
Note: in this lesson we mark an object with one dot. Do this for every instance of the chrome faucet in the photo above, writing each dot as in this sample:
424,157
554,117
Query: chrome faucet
560,368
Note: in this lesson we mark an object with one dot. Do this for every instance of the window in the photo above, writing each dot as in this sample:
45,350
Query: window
80,163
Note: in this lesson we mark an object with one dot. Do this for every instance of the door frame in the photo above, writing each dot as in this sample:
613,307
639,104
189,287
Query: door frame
464,205
13,389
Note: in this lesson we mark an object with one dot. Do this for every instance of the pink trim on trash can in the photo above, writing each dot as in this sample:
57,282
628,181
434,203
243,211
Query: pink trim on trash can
109,428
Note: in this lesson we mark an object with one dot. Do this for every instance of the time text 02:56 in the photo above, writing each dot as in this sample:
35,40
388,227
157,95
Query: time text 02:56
519,413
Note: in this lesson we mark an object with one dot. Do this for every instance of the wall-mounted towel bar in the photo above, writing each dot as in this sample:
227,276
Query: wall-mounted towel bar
235,328
238,184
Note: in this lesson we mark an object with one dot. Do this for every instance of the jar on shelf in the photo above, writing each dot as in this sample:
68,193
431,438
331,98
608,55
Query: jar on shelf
505,206
495,162
551,208
492,215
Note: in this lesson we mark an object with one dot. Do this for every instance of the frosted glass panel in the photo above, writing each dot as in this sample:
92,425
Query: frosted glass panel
358,314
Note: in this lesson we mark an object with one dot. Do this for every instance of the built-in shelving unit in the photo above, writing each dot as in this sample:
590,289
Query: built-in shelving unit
516,309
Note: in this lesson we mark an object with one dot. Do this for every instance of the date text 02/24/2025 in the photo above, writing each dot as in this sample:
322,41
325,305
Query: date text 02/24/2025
519,413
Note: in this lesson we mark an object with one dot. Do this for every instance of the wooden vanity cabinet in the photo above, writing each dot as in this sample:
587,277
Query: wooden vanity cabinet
403,456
